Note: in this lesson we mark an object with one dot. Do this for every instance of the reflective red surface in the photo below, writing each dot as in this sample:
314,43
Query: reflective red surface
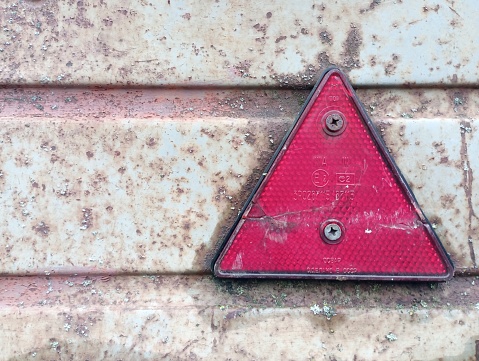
322,176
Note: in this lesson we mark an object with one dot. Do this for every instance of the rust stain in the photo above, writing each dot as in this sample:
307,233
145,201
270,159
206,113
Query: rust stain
323,60
391,66
371,7
116,104
42,229
467,185
352,47
477,350
325,37
242,69
261,28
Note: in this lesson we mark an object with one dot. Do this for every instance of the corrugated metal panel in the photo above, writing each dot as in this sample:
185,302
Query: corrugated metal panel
228,43
97,184
148,180
180,318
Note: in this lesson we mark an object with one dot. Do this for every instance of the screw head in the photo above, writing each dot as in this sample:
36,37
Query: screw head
334,123
332,231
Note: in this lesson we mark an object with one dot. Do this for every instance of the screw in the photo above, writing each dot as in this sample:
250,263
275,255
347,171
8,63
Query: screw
332,232
334,122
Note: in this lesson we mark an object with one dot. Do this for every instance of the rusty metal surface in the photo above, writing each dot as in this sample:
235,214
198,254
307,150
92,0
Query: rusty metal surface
225,43
130,196
433,142
442,177
122,181
100,182
178,317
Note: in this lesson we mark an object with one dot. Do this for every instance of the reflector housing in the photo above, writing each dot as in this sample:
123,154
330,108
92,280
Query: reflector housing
332,204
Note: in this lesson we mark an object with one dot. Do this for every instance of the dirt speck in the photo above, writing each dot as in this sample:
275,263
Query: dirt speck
87,218
323,60
391,66
151,142
447,200
371,7
325,37
42,229
242,69
261,28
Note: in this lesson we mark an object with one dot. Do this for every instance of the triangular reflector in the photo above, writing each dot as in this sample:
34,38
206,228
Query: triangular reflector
333,204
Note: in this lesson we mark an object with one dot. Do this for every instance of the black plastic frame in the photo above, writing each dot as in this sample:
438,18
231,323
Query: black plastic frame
271,166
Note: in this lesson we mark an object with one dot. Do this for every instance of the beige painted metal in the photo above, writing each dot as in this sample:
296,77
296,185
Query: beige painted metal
105,182
87,188
438,168
227,43
130,196
178,318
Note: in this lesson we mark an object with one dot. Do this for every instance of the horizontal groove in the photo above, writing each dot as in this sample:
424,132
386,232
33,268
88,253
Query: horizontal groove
234,87
154,290
467,272
85,272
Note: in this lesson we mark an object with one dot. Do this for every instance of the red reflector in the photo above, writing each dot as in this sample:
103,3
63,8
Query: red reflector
333,204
